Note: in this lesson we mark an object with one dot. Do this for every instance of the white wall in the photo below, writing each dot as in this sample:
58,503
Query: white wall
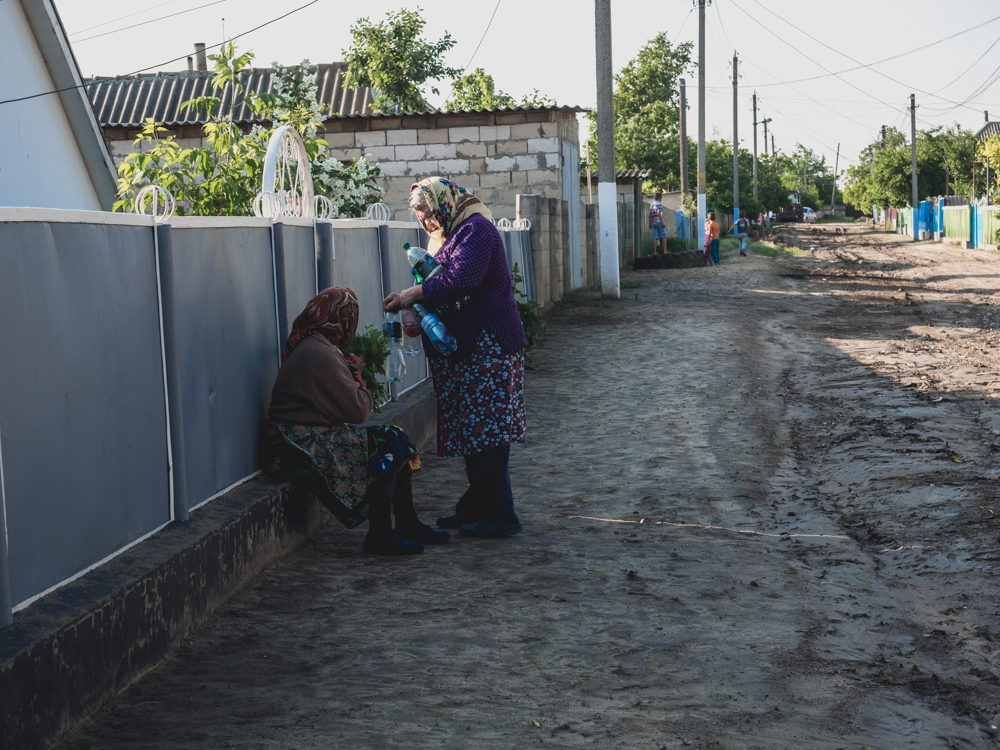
40,163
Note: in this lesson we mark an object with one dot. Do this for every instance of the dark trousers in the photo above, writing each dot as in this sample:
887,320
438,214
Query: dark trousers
489,495
394,492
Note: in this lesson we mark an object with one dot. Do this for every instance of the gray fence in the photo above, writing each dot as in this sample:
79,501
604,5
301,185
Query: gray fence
138,363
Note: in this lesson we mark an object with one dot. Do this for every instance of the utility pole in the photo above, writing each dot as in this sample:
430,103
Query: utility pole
702,178
913,159
766,121
736,142
606,190
836,166
881,144
774,151
684,141
755,144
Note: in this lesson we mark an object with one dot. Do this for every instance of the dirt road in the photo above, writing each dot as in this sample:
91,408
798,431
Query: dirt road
761,511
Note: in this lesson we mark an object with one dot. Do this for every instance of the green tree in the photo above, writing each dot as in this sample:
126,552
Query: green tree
395,61
646,112
224,177
883,176
477,90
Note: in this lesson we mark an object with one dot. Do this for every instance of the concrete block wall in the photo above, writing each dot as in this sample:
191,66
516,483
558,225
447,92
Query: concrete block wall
495,162
550,228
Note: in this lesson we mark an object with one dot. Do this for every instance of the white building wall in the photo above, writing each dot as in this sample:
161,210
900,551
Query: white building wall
40,162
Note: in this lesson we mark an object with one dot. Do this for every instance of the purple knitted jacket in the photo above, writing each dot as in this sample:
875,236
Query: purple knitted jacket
474,265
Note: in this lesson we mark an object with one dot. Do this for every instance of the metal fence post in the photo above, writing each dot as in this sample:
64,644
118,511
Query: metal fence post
172,359
6,614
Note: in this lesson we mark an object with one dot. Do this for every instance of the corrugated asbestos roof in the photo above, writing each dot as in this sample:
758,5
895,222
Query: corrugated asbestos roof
623,174
990,128
130,101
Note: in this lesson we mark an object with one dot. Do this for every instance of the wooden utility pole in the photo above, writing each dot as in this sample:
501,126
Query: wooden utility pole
774,151
736,142
836,166
755,144
684,140
607,197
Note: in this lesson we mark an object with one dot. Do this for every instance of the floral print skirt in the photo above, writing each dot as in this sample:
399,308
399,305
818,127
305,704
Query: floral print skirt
480,398
339,463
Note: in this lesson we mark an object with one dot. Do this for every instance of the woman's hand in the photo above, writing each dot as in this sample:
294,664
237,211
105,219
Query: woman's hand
392,303
408,296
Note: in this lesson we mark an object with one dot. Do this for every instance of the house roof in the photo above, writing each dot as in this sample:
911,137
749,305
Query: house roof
50,36
623,174
129,101
988,129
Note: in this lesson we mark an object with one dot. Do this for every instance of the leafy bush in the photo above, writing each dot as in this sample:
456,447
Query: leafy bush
223,178
680,245
527,308
373,349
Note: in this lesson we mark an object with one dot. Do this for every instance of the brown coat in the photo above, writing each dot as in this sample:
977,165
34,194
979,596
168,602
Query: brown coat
315,387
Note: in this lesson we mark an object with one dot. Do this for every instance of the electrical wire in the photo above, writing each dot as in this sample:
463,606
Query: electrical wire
483,37
158,65
843,54
122,18
683,23
143,23
894,57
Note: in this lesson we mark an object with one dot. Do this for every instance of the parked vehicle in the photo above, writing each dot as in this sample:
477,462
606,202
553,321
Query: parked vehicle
808,215
793,212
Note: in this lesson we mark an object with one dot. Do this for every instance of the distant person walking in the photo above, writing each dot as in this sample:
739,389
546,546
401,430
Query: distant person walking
656,223
712,232
743,232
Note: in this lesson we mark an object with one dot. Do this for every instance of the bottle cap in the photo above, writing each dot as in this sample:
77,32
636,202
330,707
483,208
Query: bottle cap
406,245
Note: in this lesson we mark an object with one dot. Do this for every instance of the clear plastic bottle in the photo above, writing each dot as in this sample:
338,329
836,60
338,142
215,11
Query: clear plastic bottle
424,265
395,366
440,336
411,325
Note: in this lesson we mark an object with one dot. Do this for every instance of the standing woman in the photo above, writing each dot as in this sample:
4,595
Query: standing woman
480,388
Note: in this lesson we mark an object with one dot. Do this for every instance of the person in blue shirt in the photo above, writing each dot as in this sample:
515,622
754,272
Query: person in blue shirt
656,223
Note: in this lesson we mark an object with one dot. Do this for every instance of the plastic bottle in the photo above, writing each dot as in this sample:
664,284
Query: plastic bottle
411,333
436,331
395,366
424,265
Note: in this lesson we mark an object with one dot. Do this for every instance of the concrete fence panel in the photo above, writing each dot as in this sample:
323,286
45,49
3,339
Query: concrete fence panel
83,424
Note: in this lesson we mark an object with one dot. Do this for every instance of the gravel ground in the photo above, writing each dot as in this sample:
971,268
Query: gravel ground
760,507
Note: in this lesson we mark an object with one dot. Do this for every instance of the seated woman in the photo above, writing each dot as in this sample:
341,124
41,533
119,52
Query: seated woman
311,434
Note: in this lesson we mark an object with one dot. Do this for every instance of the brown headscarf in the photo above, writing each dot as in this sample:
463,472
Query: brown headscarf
332,313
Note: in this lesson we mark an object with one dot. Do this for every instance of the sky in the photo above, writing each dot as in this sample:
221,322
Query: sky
787,51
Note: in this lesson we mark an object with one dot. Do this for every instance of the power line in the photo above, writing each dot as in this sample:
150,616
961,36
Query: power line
143,23
483,37
158,65
683,23
893,57
805,55
122,18
843,54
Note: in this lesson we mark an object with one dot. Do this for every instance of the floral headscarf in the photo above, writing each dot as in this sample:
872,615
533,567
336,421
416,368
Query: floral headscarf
450,203
332,313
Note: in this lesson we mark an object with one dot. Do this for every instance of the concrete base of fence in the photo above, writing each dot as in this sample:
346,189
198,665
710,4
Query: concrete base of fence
72,650
689,259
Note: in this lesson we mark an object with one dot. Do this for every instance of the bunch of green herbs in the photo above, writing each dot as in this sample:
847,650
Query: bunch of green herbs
372,348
